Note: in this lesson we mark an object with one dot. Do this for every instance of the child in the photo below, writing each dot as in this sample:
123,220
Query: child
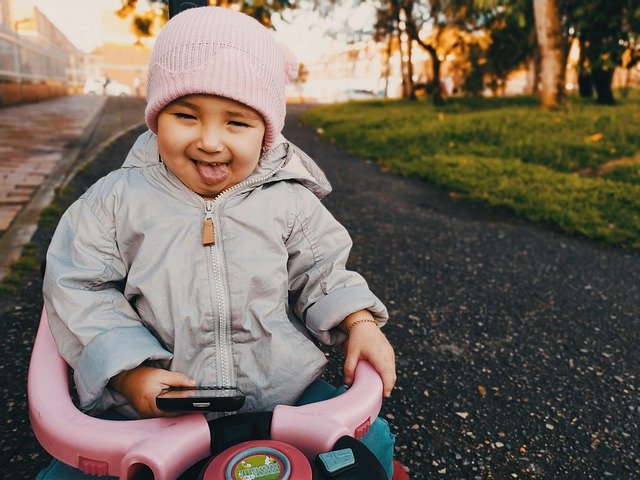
208,258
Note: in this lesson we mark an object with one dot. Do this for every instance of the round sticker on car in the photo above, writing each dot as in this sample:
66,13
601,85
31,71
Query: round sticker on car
258,463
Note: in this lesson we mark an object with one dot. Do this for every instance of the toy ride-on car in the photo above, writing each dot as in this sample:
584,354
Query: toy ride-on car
315,441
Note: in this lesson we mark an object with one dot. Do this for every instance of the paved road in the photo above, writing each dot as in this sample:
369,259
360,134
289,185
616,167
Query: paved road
33,140
517,346
40,144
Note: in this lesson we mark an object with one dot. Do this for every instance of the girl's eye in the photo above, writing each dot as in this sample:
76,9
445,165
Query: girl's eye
238,124
185,116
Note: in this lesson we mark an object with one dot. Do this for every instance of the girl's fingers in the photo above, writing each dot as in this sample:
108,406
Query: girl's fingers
350,367
388,381
177,379
384,363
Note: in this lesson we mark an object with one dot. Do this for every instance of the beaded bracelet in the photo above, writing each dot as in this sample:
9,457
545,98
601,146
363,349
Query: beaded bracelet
362,320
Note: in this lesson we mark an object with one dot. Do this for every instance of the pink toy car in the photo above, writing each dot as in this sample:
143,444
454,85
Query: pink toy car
315,441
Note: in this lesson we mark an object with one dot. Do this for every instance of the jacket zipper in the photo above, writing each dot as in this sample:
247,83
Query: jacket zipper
208,230
225,369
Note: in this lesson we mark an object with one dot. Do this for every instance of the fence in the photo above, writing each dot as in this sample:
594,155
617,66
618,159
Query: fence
35,68
22,60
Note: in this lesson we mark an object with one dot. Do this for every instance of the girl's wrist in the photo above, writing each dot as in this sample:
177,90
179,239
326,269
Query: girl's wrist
360,322
359,317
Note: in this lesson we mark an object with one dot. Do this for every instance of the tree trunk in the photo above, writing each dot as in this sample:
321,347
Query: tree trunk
547,20
585,85
387,67
436,94
403,66
411,90
602,80
533,74
405,39
536,63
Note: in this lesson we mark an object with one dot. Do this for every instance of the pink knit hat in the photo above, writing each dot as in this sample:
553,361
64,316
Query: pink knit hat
218,51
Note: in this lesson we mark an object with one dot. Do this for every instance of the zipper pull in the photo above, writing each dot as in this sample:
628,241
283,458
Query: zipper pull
208,231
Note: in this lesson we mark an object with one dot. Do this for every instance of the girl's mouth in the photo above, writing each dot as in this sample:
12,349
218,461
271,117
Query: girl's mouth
212,173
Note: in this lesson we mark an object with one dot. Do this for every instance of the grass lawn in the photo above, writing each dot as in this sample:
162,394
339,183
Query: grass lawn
578,169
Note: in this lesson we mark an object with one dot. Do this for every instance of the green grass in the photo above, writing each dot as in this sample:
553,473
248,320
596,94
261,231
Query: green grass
509,153
21,270
50,214
28,264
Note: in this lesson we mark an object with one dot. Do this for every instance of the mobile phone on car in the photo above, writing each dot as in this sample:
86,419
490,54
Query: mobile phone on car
200,399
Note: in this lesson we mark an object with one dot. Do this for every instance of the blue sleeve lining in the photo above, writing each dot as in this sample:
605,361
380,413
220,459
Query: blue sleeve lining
109,353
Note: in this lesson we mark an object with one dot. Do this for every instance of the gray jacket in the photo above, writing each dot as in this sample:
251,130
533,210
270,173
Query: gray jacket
128,279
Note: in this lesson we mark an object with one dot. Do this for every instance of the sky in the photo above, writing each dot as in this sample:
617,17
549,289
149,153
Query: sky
79,20
303,31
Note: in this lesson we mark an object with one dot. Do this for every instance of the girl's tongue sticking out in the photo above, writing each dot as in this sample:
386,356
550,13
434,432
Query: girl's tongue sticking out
212,173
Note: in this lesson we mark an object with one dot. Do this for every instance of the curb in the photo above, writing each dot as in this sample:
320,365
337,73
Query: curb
94,151
25,224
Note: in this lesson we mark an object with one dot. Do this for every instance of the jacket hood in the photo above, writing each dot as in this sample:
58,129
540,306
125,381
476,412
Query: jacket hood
296,165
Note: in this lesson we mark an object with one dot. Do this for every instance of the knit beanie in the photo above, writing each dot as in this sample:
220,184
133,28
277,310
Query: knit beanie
217,51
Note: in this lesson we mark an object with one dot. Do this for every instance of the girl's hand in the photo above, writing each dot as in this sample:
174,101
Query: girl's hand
367,342
141,386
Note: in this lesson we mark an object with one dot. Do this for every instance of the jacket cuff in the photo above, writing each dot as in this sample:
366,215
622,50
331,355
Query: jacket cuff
108,354
325,315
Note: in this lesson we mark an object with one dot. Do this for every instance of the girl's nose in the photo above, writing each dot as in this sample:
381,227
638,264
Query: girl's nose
210,139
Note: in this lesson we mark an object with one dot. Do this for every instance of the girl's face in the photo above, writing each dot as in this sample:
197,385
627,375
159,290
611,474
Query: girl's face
210,143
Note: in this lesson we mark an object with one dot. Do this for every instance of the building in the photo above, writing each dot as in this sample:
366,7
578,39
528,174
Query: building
122,58
36,60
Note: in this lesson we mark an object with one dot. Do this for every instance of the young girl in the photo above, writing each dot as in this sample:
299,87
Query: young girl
208,257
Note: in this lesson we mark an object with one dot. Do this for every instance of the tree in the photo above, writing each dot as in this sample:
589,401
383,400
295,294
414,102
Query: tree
512,40
474,80
607,31
391,25
386,30
144,23
452,22
550,42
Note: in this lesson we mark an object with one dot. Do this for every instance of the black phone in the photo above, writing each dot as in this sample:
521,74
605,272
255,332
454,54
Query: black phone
200,399
177,6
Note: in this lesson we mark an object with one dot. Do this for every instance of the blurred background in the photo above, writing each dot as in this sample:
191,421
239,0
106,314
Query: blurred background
348,49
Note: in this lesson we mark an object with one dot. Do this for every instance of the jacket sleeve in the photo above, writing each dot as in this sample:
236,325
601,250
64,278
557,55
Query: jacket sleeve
96,329
323,292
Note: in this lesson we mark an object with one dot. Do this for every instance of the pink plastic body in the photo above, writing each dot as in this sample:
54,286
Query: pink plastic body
316,427
167,446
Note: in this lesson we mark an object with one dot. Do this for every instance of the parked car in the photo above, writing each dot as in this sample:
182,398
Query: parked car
357,94
106,86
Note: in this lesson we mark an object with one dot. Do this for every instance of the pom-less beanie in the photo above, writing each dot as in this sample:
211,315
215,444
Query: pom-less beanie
217,51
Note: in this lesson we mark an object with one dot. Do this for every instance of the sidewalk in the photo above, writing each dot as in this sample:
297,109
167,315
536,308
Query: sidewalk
39,145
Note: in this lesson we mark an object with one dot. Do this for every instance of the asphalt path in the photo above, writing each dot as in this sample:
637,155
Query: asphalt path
517,346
